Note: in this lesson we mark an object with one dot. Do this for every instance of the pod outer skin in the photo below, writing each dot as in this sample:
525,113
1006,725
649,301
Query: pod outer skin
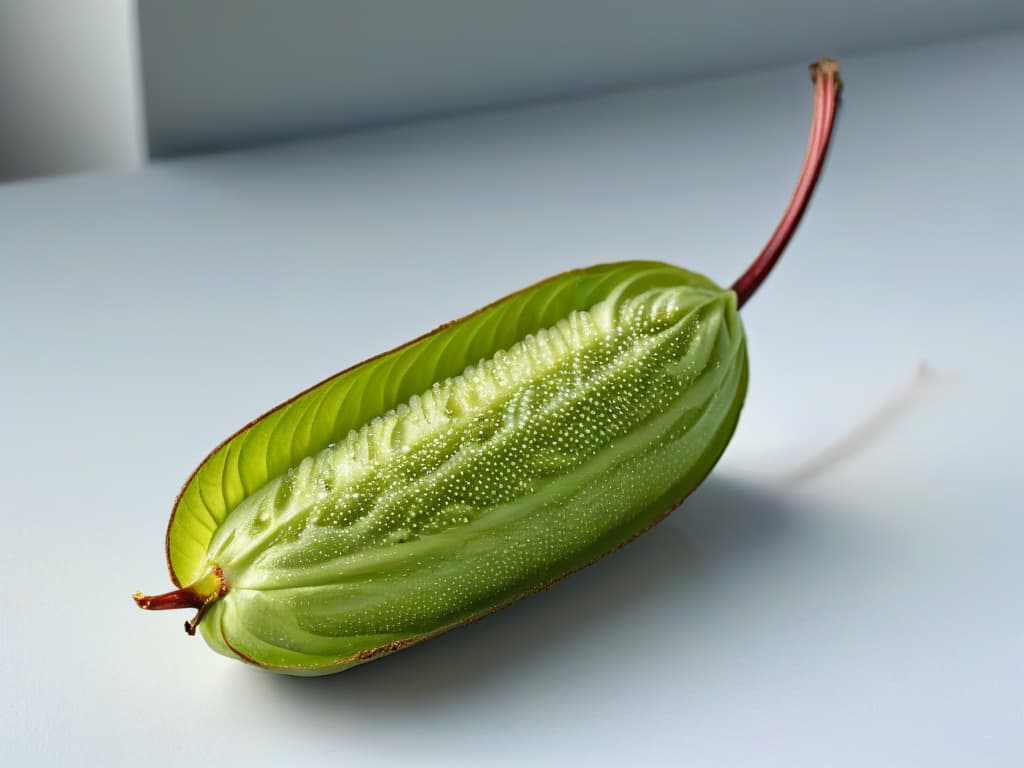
445,479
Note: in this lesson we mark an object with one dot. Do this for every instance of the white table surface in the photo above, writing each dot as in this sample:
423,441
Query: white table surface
871,615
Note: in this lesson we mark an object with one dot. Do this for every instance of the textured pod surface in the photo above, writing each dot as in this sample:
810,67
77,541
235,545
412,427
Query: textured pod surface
480,463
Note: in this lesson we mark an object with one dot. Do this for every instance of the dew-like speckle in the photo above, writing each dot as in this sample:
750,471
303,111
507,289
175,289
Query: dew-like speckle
399,536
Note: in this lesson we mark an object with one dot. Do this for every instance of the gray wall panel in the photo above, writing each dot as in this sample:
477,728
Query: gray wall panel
68,87
228,72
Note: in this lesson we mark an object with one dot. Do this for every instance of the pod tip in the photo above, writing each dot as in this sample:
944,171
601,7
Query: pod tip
199,596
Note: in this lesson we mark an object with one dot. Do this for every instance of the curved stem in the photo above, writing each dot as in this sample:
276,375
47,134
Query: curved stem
199,595
825,76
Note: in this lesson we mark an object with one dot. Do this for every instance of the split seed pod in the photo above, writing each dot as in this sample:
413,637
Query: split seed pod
469,468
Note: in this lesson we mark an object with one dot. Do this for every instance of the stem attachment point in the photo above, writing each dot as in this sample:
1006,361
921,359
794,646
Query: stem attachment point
199,595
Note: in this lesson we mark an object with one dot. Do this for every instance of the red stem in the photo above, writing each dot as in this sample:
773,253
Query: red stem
825,76
185,597
200,596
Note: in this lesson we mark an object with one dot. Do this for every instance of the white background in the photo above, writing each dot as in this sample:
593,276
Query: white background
871,616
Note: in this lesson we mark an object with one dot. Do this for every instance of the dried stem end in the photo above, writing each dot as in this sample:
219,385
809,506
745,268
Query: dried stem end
827,85
199,595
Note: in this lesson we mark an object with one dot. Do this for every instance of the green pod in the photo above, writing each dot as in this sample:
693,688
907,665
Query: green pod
447,478
461,472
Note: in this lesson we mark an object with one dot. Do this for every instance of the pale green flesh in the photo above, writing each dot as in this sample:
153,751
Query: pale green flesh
283,437
536,460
